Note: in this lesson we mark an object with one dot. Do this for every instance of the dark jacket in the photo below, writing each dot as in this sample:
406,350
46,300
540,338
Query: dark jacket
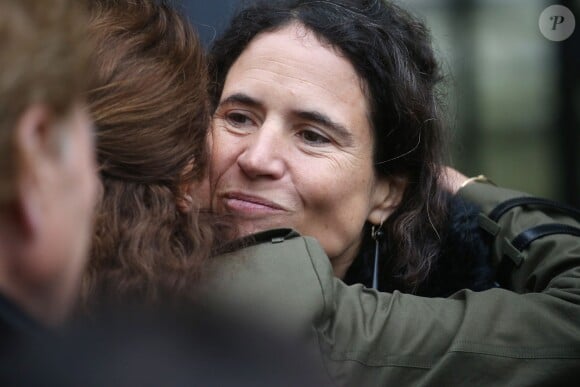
528,335
17,331
16,327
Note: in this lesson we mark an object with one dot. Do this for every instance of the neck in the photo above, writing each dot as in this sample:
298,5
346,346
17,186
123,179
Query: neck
340,269
341,263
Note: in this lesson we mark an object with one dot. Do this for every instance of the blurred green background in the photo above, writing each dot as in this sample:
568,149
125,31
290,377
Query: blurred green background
513,96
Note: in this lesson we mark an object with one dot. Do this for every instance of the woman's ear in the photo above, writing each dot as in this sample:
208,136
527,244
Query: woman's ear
184,202
195,192
387,195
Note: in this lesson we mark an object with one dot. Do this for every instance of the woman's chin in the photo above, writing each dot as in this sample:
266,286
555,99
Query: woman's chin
246,228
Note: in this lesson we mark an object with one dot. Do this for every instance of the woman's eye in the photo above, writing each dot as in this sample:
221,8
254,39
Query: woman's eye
314,138
238,119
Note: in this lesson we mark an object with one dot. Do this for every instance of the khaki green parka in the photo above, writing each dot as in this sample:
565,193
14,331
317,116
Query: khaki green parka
526,336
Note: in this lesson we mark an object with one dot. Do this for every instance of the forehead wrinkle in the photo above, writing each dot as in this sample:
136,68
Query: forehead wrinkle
310,41
295,75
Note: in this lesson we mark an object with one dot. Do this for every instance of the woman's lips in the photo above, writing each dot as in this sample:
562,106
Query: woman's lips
249,205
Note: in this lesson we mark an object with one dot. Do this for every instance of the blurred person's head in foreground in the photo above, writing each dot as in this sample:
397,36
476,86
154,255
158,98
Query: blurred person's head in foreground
47,167
196,347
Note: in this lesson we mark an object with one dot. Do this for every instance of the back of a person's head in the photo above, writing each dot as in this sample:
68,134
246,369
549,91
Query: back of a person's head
43,60
149,99
150,106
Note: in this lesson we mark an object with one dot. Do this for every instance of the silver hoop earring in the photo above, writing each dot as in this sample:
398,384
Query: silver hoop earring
377,234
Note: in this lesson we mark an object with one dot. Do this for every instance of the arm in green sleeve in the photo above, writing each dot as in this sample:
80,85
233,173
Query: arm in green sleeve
546,259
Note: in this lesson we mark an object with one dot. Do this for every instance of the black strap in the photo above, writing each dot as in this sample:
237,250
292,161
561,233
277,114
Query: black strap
276,235
504,207
511,257
523,241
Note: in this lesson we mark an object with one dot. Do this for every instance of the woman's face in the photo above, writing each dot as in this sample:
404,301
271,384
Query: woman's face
292,145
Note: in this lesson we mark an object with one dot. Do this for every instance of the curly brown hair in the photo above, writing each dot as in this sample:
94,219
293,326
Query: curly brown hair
150,107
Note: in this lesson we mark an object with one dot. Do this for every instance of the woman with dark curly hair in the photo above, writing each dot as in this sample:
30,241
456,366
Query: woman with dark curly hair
328,115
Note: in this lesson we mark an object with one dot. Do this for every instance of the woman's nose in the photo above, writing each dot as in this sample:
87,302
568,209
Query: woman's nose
264,155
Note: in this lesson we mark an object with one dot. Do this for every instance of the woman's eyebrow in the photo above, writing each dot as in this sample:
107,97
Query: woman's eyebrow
322,119
241,98
314,116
